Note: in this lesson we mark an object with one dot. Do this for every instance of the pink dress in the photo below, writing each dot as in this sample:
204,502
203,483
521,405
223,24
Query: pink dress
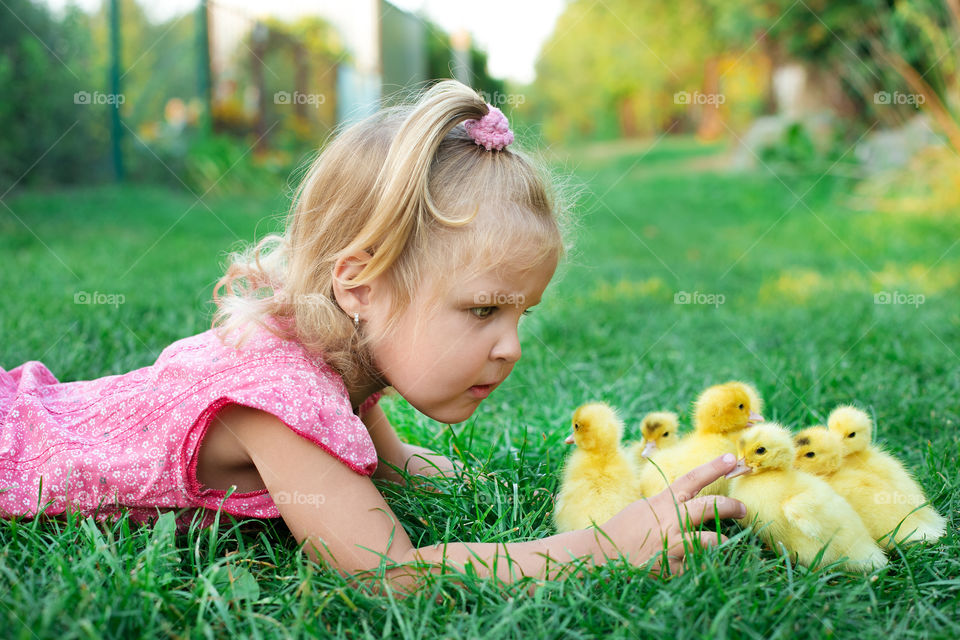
132,440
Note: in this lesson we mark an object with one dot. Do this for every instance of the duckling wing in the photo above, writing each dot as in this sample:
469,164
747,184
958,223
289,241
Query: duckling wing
801,512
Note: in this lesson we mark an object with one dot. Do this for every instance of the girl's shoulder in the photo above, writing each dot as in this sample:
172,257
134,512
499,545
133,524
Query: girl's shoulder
255,348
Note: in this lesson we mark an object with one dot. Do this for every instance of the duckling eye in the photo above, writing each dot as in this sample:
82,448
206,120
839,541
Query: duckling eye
852,433
576,425
810,454
740,407
761,451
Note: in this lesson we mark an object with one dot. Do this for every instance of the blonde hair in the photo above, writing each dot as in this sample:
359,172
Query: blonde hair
410,188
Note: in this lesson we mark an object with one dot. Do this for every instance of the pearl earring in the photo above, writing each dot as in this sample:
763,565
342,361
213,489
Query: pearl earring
356,320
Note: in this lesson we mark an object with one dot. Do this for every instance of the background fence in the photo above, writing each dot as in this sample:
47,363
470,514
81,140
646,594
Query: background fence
113,94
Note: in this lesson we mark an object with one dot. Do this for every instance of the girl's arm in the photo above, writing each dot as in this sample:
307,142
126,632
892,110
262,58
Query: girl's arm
416,460
347,524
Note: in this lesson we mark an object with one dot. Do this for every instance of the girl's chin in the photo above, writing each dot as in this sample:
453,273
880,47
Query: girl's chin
449,414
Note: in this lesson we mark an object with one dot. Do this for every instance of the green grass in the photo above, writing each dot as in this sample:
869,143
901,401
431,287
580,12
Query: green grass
798,317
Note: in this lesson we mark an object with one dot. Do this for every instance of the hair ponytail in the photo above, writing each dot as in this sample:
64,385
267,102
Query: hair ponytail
404,203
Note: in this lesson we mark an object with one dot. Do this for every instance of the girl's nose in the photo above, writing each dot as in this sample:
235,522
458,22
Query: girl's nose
507,347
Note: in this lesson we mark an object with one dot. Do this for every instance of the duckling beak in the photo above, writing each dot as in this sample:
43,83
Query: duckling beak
739,470
569,439
649,449
754,418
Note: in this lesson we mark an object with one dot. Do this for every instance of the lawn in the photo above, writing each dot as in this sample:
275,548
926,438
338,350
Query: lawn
684,274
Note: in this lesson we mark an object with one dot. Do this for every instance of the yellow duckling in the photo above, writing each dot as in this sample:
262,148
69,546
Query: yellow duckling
599,480
720,414
795,508
878,486
818,452
659,430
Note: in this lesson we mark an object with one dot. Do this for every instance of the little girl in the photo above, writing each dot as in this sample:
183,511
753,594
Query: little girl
416,242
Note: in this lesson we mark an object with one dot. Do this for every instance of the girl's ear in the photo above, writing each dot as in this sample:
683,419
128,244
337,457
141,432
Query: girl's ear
351,298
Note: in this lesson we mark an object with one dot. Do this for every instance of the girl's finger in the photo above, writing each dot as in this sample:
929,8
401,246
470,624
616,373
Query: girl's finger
698,510
689,484
676,565
708,538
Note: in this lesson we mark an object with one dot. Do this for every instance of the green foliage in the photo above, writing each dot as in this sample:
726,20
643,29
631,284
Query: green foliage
795,147
851,40
149,51
612,69
440,61
46,62
47,137
224,164
796,150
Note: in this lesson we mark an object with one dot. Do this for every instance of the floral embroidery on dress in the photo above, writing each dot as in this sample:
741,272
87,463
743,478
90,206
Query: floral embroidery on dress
132,440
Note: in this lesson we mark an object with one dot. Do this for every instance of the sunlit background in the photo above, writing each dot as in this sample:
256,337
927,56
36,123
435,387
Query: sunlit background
180,91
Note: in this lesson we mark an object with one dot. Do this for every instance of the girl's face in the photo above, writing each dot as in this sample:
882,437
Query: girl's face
445,357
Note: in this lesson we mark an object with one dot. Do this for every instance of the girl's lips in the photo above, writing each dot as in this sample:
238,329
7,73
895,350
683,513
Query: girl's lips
481,390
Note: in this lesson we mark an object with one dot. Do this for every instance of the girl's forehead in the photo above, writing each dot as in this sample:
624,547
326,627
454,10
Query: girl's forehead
522,276
526,281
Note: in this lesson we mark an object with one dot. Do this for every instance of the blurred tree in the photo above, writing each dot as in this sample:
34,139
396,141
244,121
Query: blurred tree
639,67
922,54
149,51
159,84
49,133
440,62
494,88
636,67
880,48
729,27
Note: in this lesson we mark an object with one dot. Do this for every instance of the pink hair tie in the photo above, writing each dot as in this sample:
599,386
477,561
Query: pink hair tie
491,131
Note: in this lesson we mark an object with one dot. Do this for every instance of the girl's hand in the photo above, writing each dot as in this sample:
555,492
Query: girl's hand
670,519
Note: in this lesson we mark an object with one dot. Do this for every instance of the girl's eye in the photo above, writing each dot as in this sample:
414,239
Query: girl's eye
482,312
